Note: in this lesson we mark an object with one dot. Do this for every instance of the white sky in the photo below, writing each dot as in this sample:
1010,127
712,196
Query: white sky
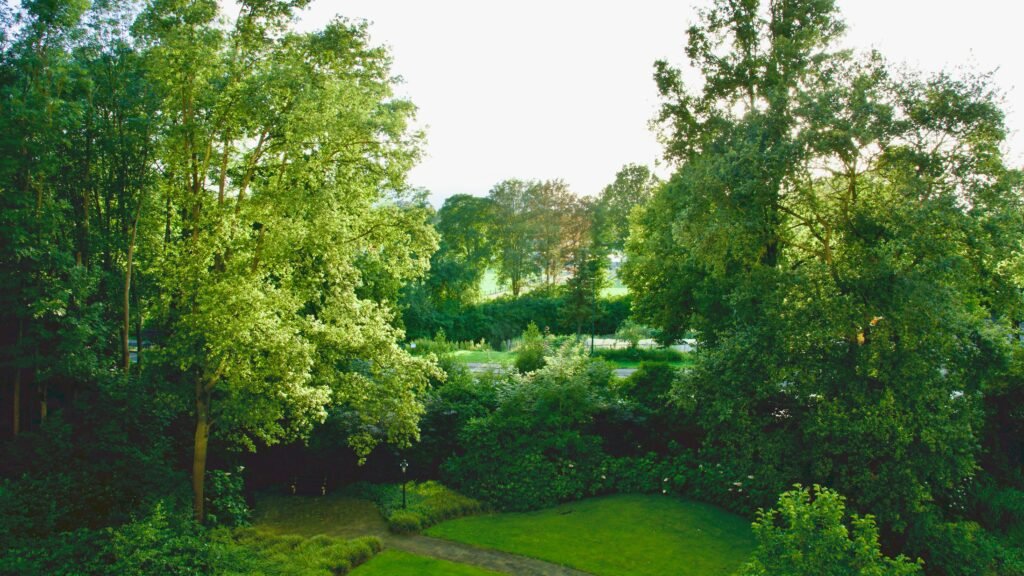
563,89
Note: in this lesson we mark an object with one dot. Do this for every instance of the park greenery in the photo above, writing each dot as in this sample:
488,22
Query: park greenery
217,288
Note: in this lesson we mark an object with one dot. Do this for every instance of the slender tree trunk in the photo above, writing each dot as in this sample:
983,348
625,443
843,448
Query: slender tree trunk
17,400
44,390
17,382
128,290
199,454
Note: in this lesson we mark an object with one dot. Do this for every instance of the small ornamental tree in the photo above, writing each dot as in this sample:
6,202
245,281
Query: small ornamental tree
809,535
530,355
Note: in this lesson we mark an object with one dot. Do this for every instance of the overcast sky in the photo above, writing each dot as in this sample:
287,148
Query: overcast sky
563,89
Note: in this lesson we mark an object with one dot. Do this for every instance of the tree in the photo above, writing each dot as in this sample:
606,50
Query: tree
465,225
634,186
586,262
514,231
552,209
282,169
809,535
839,237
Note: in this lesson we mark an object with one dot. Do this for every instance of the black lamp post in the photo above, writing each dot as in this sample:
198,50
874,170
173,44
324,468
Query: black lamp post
404,465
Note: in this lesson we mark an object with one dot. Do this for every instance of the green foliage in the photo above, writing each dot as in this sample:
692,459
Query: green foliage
961,548
426,503
641,354
405,522
540,445
160,543
809,534
634,186
252,551
224,491
531,351
842,238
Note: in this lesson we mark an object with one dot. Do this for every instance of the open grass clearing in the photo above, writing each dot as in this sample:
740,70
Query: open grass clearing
397,563
627,535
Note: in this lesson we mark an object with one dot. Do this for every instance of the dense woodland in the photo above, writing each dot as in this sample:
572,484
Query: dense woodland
211,267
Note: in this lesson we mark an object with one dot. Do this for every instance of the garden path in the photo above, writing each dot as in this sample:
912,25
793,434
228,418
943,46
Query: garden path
480,557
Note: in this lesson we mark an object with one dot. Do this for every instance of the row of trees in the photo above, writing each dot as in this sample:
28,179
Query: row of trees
531,231
845,239
223,187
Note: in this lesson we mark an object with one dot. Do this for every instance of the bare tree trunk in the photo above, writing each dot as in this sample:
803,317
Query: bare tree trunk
17,400
199,454
126,328
17,383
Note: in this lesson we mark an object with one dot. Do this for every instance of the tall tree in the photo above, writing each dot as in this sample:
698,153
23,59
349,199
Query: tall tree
282,155
514,230
839,237
634,186
551,208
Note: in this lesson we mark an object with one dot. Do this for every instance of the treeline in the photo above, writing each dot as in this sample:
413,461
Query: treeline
548,247
223,190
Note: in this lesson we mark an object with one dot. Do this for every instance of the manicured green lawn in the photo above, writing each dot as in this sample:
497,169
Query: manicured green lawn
396,563
484,357
628,535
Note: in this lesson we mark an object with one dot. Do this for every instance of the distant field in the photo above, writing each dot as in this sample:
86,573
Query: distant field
396,563
627,535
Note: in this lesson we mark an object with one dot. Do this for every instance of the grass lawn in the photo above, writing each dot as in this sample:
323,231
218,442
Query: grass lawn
484,357
629,535
396,563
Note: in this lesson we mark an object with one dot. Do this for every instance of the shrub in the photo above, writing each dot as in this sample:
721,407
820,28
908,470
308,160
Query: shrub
427,503
809,535
161,543
641,355
251,551
530,355
225,498
405,522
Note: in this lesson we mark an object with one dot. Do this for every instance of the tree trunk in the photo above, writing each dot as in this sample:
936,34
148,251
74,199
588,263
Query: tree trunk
199,455
126,328
17,400
16,428
43,407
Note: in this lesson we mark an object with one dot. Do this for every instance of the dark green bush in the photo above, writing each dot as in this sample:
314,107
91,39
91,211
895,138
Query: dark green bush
164,542
226,504
641,354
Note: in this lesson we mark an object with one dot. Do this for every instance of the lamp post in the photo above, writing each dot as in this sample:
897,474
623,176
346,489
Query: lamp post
404,465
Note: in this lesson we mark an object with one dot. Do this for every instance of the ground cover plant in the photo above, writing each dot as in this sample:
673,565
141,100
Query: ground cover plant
626,535
418,506
397,563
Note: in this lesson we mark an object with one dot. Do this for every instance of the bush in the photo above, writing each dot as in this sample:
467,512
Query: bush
809,535
427,503
539,446
405,522
641,355
251,551
225,498
530,355
161,543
